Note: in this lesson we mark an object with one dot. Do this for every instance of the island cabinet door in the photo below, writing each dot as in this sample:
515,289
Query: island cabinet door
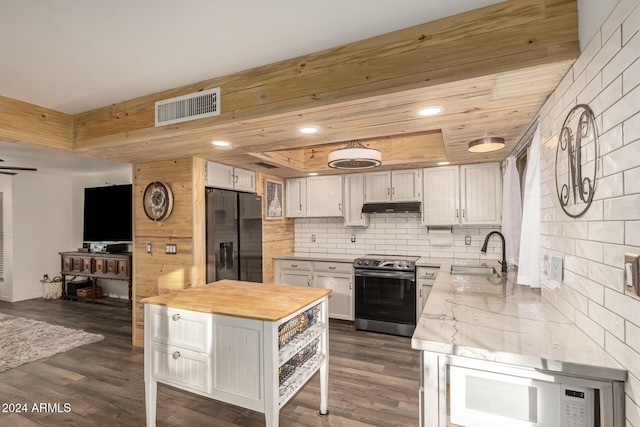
238,363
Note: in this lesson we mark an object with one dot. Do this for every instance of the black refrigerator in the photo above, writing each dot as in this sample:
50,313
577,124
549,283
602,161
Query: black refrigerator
234,235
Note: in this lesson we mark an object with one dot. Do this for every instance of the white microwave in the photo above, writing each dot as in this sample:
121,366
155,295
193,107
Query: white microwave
487,399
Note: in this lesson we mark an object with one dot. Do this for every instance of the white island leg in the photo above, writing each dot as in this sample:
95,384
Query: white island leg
324,369
151,399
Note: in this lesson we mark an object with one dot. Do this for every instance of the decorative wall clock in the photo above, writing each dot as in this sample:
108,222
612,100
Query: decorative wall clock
157,201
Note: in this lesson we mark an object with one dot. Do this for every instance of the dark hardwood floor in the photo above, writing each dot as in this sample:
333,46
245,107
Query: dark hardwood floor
373,380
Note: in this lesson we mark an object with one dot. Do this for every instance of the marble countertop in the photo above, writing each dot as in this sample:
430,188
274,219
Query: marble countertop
494,319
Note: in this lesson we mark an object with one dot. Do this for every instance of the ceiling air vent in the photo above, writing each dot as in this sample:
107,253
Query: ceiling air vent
266,165
188,107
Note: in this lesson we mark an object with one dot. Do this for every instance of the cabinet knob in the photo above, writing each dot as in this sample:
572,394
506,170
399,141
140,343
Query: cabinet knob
463,216
332,267
457,213
294,265
340,207
308,282
176,355
176,317
393,191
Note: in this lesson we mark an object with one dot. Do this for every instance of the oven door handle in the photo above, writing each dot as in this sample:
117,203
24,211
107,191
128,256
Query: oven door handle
386,274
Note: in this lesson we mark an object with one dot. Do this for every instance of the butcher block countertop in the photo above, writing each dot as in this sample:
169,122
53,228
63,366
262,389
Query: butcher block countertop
249,300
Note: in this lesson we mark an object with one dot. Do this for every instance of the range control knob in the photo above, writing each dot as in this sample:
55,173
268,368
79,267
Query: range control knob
359,262
402,264
366,262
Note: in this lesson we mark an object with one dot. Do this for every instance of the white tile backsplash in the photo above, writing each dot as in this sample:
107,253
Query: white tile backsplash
593,245
400,234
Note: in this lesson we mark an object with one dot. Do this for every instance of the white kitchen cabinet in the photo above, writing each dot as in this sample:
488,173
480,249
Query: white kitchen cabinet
337,276
406,185
293,272
441,188
393,186
353,201
468,194
228,177
296,198
481,193
324,196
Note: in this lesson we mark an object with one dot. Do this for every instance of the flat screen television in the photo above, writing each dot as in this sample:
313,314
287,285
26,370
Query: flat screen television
107,214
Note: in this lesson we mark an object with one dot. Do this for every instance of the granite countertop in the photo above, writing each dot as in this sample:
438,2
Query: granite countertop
494,319
248,300
305,256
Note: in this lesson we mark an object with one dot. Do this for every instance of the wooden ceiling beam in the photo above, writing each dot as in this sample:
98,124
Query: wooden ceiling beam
506,36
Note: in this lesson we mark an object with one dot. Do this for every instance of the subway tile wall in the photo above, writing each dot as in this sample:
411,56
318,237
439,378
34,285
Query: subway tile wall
605,77
398,234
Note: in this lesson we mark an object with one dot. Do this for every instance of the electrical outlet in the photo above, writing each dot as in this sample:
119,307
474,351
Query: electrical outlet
171,249
556,268
632,274
313,238
148,248
353,238
467,240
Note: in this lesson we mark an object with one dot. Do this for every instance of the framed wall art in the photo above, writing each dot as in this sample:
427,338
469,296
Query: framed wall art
273,199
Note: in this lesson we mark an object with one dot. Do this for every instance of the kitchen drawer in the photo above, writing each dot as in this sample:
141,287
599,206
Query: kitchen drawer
429,273
295,265
335,267
181,328
180,367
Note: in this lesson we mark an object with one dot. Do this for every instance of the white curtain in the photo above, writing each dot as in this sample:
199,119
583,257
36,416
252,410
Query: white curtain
511,211
529,259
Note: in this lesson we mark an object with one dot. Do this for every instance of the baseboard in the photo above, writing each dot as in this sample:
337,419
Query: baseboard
25,297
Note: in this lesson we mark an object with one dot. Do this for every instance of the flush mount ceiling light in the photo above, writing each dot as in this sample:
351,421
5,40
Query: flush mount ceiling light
308,130
429,111
220,143
485,145
354,156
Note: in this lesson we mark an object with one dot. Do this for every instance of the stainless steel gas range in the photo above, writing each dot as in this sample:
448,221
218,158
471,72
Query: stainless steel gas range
385,294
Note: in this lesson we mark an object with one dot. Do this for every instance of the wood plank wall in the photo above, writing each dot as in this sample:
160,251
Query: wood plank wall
157,272
277,234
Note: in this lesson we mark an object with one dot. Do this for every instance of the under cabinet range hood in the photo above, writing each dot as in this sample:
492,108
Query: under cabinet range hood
388,207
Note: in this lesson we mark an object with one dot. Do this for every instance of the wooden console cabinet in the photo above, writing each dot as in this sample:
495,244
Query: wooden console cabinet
96,266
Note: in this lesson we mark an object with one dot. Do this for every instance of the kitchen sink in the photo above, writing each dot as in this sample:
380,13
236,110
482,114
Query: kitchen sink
473,270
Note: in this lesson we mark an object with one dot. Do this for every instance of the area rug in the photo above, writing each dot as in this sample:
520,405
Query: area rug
25,340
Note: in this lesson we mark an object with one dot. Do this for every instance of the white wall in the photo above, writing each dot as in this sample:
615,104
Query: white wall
397,234
591,15
606,76
42,226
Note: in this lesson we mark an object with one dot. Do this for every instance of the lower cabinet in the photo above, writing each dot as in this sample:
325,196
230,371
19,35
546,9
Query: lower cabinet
425,277
337,276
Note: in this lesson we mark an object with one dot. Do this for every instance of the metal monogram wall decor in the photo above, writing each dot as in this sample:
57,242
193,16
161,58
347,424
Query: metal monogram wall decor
577,157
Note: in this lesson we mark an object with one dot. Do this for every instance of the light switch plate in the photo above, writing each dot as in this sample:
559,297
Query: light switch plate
171,249
467,240
632,274
556,268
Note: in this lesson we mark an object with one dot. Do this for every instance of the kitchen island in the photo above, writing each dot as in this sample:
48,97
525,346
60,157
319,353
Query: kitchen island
486,326
249,344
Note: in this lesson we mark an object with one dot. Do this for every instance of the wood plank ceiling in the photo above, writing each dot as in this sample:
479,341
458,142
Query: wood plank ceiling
490,70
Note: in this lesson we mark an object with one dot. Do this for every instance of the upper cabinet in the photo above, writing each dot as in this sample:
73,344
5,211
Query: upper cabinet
316,196
396,186
441,196
469,194
295,198
481,193
353,201
223,176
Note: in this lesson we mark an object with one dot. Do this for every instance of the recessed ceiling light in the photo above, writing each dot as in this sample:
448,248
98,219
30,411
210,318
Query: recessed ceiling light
313,173
429,111
443,163
308,129
220,143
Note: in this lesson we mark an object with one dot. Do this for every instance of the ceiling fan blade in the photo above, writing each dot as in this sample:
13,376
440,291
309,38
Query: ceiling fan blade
8,173
17,168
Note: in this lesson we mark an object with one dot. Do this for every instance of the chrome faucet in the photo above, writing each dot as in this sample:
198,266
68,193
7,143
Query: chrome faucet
504,252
